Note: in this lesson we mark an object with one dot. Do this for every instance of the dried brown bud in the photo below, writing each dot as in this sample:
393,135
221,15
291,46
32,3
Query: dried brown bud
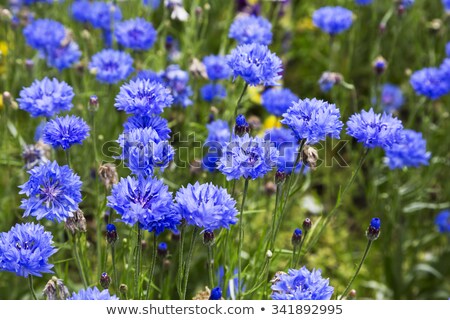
310,157
351,295
198,69
55,290
108,175
270,188
77,223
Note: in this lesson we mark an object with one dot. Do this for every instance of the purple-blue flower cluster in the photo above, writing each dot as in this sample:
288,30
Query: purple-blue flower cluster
301,284
375,130
143,98
53,192
216,67
278,101
111,66
255,64
313,120
65,131
442,221
410,151
46,98
92,294
25,250
177,81
333,20
63,56
136,34
160,125
247,157
391,97
430,82
218,135
213,91
145,201
206,206
251,29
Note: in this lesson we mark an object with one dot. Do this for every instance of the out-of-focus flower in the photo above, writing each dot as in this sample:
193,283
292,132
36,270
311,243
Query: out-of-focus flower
363,2
111,66
46,98
63,56
44,33
391,97
328,80
92,294
216,294
104,15
251,29
379,65
35,154
177,81
255,64
442,221
53,192
65,131
81,10
108,174
277,101
333,20
178,11
375,130
25,250
77,223
216,67
301,284
145,201
206,206
213,91
136,34
430,82
55,290
447,49
410,151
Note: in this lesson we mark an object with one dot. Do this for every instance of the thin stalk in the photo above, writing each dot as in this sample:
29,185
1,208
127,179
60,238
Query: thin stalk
137,260
241,237
180,264
152,267
274,215
298,260
238,104
188,262
113,258
211,265
30,285
369,244
68,157
79,263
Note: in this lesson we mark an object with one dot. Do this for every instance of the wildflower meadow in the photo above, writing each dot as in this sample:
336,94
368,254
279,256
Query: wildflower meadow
224,150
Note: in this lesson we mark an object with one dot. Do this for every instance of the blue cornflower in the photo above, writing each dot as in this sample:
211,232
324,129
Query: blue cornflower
430,82
363,2
46,98
160,125
391,97
210,160
65,131
301,284
44,33
81,10
177,81
406,3
143,151
143,97
442,221
53,192
150,75
103,15
25,250
146,201
216,294
333,20
111,66
375,130
162,249
328,80
136,34
34,155
153,3
444,69
218,133
247,157
447,49
92,294
313,120
63,56
411,151
206,206
446,4
216,67
251,29
255,64
278,101
213,91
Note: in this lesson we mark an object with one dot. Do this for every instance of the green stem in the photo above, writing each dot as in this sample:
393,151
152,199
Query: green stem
152,267
369,244
113,258
68,157
137,260
274,216
79,263
30,284
298,260
188,262
180,264
241,237
211,265
238,104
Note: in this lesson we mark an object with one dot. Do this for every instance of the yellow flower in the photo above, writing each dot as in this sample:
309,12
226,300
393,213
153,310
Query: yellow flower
3,54
1,101
254,93
272,122
305,24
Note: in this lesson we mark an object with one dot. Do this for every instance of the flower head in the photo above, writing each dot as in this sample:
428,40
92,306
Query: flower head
442,221
218,133
391,97
410,151
44,33
26,249
150,75
63,56
333,20
247,157
145,201
111,66
46,98
430,82
206,206
35,154
287,147
177,81
143,151
251,29
278,101
447,46
156,123
255,64
213,91
103,15
328,80
53,192
373,231
136,34
216,67
65,131
143,97
375,130
313,120
92,294
81,10
301,284
216,294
